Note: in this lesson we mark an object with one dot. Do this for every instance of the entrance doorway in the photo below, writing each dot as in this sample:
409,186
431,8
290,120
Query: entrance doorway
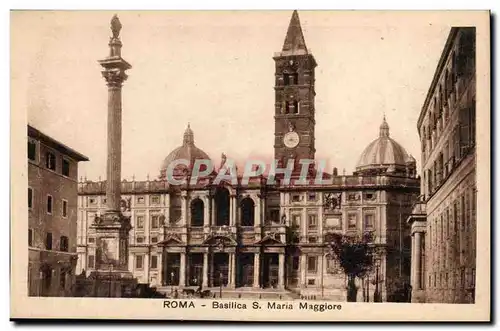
173,266
195,276
220,271
245,267
270,270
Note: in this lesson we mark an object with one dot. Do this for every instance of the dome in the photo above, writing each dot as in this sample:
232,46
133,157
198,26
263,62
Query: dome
383,153
188,151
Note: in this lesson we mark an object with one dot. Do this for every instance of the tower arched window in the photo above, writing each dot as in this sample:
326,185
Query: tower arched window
290,78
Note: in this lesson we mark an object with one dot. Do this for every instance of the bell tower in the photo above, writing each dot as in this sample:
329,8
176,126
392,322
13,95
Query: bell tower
294,97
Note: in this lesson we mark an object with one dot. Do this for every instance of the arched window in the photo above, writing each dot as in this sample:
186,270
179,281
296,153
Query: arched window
197,212
222,206
247,212
290,78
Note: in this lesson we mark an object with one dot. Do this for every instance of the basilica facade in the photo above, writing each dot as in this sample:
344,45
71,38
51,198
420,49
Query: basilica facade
260,236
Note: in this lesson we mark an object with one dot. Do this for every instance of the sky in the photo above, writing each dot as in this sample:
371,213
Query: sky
215,71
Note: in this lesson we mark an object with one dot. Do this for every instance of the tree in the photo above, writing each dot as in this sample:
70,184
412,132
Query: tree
355,256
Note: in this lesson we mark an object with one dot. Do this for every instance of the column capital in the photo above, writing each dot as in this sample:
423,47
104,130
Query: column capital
114,77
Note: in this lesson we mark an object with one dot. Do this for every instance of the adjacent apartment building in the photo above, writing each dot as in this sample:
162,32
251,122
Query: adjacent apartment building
52,205
444,220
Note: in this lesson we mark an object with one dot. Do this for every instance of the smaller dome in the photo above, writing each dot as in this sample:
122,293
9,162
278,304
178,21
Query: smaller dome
188,151
383,154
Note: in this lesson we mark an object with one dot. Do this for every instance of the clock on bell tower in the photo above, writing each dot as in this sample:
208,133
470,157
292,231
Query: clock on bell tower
294,97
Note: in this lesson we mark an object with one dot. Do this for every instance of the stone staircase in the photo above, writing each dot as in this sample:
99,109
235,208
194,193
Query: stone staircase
233,293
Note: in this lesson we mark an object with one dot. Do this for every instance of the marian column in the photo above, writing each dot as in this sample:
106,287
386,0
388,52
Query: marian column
114,73
112,227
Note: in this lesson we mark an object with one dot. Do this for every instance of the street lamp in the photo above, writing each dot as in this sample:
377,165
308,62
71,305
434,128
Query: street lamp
376,295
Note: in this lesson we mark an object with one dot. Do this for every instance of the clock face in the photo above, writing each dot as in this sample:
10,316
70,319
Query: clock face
291,139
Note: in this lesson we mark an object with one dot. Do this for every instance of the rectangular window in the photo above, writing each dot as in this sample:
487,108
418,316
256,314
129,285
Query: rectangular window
48,241
295,220
369,221
65,208
139,239
295,262
65,167
275,215
352,221
30,197
32,150
154,262
155,200
91,240
296,198
91,263
140,199
155,221
312,264
140,221
313,240
154,240
64,244
312,221
92,201
311,196
30,237
139,260
462,212
50,161
369,196
448,221
311,281
49,204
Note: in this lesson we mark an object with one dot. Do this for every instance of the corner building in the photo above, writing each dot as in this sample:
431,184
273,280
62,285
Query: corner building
444,220
262,239
52,215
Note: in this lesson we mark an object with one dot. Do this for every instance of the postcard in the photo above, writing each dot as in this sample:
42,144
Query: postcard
286,165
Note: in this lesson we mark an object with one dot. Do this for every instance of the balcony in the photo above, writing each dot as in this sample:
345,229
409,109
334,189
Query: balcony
223,230
99,187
